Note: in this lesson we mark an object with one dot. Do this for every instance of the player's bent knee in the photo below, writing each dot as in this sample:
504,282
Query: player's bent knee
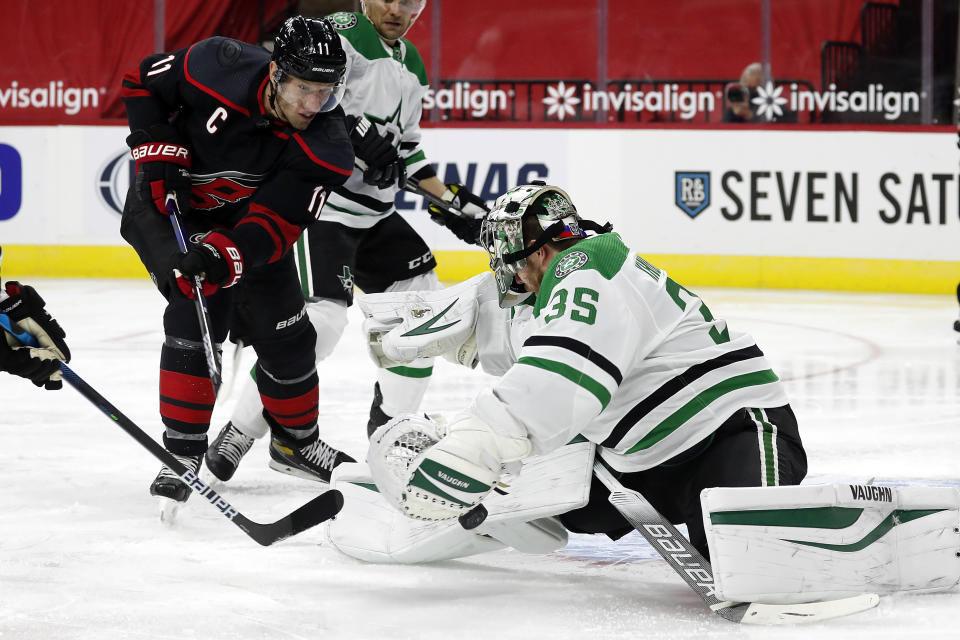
329,319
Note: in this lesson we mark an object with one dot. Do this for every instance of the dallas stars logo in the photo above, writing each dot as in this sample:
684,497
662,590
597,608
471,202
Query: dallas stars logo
570,262
346,280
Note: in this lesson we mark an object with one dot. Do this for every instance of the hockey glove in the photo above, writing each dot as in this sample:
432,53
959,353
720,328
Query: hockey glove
382,165
465,226
215,259
437,471
25,307
163,165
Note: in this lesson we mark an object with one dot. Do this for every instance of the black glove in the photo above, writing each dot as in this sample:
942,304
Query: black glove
215,259
471,208
40,364
382,165
163,165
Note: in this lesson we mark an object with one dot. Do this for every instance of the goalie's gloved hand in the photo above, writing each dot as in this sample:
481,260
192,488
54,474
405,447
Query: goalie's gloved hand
465,226
381,163
215,259
163,165
25,308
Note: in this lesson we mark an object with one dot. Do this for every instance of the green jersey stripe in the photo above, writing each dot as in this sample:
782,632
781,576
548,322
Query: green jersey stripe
571,374
700,402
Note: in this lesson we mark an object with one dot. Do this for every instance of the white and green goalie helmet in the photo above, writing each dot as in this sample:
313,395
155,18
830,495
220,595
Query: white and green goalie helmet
502,232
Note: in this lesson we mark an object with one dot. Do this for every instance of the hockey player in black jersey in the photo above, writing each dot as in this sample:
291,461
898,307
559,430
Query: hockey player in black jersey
251,144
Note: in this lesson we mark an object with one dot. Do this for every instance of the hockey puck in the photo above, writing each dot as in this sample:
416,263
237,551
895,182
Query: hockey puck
473,518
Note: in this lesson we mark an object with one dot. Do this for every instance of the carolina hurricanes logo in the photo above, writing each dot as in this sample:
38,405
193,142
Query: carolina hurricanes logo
216,190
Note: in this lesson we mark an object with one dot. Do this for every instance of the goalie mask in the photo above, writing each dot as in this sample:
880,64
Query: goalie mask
502,232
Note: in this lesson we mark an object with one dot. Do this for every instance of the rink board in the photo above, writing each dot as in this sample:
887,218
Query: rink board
744,208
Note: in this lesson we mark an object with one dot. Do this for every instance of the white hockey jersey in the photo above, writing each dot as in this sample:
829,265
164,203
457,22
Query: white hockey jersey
624,356
386,84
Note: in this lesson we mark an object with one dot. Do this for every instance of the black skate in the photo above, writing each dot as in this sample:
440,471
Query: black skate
167,484
314,461
377,417
224,455
170,490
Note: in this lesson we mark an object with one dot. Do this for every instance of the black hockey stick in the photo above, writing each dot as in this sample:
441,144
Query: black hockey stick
199,301
321,508
698,574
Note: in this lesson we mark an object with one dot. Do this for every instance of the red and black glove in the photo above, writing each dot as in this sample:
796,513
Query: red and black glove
381,163
163,165
41,365
215,259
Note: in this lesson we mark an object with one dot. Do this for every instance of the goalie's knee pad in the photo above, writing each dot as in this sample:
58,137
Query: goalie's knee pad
820,542
329,319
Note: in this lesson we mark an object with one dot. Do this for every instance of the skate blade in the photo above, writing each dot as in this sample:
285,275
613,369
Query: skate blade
168,510
296,472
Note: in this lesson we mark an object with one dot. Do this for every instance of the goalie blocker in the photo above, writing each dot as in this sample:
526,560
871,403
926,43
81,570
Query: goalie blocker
782,545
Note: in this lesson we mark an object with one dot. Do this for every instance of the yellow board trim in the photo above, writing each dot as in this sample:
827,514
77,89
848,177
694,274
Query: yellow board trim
773,272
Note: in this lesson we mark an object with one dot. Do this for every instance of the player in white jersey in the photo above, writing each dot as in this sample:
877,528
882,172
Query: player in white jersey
359,238
615,352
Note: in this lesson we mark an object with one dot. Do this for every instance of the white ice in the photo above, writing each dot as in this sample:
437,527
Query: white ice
873,380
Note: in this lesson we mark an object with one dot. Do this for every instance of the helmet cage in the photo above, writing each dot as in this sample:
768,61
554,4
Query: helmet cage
502,234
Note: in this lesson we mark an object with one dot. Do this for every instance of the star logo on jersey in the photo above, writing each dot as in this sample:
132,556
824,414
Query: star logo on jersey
393,120
569,263
427,327
346,280
561,100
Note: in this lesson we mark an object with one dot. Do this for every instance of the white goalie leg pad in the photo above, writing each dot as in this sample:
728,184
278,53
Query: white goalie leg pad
403,325
520,513
329,319
780,545
371,529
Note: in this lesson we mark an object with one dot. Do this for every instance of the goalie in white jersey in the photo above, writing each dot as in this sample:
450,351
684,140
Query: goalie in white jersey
615,352
359,238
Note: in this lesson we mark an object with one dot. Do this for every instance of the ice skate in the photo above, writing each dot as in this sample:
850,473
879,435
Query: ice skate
224,455
314,461
170,489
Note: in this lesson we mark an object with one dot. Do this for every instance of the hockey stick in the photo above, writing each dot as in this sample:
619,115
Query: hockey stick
321,508
199,302
697,573
413,186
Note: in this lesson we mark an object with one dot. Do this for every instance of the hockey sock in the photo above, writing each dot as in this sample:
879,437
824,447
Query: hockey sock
186,396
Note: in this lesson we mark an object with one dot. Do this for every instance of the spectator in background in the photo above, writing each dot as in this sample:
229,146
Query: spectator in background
740,97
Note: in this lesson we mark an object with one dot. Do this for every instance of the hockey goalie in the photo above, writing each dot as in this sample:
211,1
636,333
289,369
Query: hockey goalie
603,359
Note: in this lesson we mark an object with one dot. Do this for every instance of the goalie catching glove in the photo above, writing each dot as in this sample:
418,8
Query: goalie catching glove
464,214
26,309
436,471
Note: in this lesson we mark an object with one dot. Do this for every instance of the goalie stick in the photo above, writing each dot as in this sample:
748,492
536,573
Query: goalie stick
697,573
321,508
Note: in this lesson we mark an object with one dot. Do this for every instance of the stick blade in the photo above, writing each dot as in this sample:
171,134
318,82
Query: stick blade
787,614
321,508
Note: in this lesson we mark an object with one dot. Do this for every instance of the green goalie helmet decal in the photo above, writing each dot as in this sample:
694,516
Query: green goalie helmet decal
502,232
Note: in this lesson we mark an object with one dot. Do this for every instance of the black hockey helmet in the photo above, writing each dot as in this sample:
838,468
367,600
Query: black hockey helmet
310,49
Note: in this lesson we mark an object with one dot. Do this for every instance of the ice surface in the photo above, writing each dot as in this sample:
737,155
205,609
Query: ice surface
873,380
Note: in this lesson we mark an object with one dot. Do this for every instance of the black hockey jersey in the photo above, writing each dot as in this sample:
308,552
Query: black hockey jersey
260,180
